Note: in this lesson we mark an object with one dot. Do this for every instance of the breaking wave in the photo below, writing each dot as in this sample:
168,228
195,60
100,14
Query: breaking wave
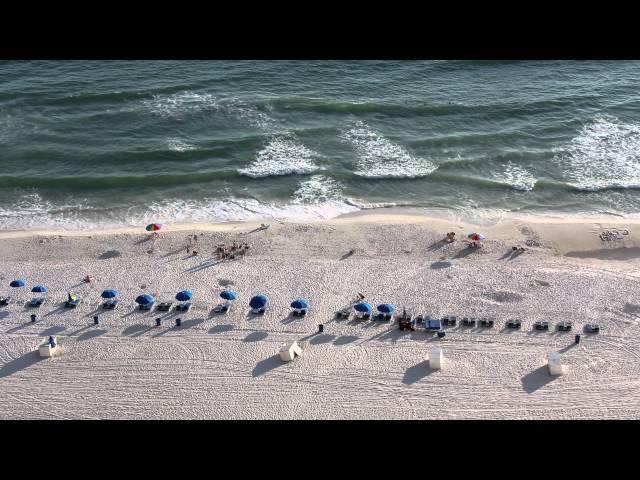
605,154
378,157
282,156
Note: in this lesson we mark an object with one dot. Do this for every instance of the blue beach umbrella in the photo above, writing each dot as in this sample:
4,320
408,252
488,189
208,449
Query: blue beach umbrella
144,299
39,289
184,295
259,301
300,304
229,295
111,293
385,308
17,283
363,307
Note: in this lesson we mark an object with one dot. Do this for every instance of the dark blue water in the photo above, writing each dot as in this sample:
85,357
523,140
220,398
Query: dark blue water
122,143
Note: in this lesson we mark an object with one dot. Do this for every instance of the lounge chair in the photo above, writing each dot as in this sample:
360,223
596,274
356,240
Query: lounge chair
183,307
4,301
299,312
419,320
110,304
564,326
486,323
72,303
469,322
36,302
514,324
147,306
542,326
164,306
449,321
223,308
592,328
433,325
258,311
383,317
345,313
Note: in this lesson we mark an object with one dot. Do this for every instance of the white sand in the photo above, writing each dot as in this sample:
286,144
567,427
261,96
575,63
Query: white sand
226,367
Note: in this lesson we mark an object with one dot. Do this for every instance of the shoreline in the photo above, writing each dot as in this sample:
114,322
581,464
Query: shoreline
383,215
573,236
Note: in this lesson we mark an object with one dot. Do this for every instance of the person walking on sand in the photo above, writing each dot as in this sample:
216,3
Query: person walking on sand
195,245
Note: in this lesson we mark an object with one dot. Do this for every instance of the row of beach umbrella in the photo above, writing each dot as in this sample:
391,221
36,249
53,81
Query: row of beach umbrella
258,301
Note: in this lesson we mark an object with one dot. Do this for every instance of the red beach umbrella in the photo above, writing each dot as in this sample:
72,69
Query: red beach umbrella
153,227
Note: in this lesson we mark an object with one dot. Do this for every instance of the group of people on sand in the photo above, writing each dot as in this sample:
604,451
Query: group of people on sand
223,252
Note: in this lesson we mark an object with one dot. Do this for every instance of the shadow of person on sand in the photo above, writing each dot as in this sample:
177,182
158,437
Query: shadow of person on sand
204,265
417,372
437,245
465,252
440,264
59,308
537,379
20,363
322,338
267,365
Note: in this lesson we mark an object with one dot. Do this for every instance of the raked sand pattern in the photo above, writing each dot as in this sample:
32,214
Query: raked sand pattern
226,367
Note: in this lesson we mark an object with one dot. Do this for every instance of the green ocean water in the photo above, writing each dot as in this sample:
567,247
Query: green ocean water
90,143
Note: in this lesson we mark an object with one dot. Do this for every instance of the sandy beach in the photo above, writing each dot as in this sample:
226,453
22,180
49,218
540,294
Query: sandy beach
227,367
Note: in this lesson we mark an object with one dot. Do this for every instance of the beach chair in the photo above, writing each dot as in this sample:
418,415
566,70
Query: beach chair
222,308
110,304
514,324
486,323
344,313
164,306
73,303
419,320
147,306
383,317
469,322
433,325
592,328
564,326
183,307
258,311
36,302
449,321
541,326
4,301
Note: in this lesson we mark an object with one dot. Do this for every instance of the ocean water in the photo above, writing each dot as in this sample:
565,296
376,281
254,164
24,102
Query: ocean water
119,143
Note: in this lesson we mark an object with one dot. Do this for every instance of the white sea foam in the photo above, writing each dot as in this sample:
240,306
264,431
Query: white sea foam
31,211
180,104
178,145
516,177
378,157
212,210
283,155
317,189
604,154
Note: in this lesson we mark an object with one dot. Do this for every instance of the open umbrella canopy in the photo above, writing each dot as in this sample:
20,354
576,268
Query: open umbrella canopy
111,293
385,308
39,289
229,295
184,295
17,283
300,303
144,299
363,307
476,236
152,227
258,301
